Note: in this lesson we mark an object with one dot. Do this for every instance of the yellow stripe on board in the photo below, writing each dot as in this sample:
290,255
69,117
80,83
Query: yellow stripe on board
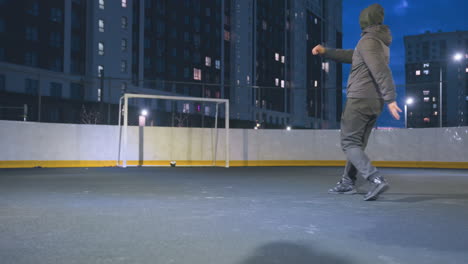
234,163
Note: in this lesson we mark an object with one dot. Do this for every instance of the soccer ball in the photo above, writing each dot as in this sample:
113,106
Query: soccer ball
173,163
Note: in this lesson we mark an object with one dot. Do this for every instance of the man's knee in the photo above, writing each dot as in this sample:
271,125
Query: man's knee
350,143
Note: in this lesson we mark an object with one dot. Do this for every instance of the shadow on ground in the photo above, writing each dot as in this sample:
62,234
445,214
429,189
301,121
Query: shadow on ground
292,253
415,198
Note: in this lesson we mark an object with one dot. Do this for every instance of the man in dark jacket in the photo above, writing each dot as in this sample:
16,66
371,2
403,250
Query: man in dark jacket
370,85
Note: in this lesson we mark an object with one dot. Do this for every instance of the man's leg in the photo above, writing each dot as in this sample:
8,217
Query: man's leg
350,171
346,184
357,124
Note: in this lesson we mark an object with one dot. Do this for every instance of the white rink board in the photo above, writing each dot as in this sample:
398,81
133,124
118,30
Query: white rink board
44,141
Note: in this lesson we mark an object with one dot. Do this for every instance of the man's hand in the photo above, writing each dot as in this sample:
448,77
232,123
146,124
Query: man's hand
318,50
394,110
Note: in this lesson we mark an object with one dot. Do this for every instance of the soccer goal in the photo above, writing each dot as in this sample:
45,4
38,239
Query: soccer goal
181,141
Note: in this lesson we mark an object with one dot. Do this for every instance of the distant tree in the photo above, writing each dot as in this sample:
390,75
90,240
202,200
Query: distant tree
90,116
181,120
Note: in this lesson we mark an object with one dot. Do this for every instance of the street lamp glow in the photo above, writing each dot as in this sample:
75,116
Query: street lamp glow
288,128
458,57
144,112
409,101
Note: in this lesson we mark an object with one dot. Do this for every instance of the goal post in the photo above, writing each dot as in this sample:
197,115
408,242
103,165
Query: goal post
123,124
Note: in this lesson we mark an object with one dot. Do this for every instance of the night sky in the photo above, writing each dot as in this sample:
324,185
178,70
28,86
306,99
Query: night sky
404,17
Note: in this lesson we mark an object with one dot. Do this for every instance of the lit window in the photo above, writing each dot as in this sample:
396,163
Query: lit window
427,120
282,59
264,25
466,70
436,113
426,99
418,72
101,4
186,108
326,66
277,56
123,44
218,64
426,65
208,61
123,66
227,35
466,98
426,72
101,25
207,110
124,22
434,99
434,106
426,92
100,70
282,83
315,83
197,75
99,95
124,3
315,21
277,82
101,48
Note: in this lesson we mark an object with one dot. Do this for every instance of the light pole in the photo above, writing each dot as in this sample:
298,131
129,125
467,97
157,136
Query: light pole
142,117
457,57
409,101
440,97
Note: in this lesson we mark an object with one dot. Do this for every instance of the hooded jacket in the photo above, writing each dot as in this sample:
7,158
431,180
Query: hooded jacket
370,75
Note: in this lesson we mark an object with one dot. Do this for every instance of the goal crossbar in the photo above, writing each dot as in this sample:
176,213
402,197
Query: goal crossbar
124,100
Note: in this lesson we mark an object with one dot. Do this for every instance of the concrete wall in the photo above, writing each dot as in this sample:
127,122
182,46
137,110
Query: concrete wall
25,144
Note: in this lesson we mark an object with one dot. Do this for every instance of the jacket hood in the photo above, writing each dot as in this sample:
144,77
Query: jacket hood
371,16
381,32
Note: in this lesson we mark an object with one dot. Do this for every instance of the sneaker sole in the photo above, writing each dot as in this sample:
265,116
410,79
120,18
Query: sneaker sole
348,192
381,189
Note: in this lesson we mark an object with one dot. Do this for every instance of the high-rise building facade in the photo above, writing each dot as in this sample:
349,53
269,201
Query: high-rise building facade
437,79
276,79
62,54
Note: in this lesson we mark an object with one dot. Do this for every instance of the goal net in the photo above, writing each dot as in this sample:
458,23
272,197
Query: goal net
160,130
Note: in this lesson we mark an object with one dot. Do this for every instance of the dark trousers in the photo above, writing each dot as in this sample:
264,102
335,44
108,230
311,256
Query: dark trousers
357,121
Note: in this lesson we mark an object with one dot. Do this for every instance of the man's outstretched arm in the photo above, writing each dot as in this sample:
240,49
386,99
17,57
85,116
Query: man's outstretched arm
338,55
